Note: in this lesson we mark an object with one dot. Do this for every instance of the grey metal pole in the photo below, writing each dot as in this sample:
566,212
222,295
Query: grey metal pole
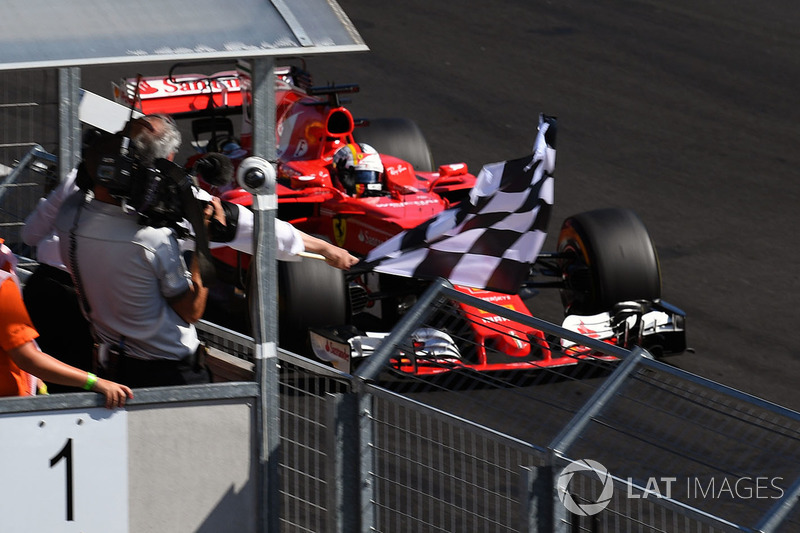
343,467
258,176
536,495
599,399
69,125
368,463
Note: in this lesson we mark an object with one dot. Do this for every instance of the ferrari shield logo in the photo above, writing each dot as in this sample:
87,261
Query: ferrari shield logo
302,148
340,230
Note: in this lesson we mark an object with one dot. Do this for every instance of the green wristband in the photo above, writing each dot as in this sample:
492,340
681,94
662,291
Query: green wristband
91,379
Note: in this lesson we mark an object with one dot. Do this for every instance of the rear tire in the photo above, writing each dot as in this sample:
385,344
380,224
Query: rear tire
609,258
311,294
398,137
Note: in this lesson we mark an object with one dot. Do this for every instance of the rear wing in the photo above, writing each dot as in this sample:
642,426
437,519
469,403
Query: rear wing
192,93
180,94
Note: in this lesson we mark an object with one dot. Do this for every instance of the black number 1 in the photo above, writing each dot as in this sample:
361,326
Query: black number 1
66,454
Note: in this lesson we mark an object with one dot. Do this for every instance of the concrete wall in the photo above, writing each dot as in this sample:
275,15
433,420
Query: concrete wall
193,466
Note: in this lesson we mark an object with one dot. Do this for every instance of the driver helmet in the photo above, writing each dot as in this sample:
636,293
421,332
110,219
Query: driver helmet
359,169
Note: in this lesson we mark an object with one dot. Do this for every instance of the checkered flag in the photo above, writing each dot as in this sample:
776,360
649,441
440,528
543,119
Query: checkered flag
489,242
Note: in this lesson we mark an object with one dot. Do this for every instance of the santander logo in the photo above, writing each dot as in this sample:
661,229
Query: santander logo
336,352
158,87
146,88
583,329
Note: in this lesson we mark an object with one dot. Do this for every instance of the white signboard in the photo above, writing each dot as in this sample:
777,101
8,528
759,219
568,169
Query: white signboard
103,113
64,471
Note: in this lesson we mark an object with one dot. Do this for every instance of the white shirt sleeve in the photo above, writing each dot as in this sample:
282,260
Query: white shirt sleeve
290,241
289,238
40,223
39,228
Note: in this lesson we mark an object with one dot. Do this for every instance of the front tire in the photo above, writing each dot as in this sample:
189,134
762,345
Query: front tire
608,257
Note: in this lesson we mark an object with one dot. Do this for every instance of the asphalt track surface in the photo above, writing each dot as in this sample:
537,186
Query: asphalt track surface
684,111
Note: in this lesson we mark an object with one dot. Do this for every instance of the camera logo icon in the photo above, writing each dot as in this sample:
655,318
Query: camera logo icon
585,508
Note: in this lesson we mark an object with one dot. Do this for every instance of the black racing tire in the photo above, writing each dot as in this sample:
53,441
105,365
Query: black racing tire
311,294
398,137
608,257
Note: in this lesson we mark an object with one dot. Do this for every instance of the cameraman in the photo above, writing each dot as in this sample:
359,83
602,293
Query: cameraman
70,340
136,289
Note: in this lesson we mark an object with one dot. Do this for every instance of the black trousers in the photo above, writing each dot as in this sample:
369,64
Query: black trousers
53,307
139,373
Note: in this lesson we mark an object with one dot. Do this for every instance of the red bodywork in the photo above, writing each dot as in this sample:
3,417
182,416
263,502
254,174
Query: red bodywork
309,130
500,344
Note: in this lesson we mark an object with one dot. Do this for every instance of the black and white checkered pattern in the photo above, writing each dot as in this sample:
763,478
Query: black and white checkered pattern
491,241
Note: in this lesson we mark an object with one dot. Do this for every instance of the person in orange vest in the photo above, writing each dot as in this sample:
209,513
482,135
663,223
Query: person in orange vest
22,363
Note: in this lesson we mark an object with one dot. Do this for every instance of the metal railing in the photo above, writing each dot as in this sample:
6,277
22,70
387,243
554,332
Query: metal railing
464,451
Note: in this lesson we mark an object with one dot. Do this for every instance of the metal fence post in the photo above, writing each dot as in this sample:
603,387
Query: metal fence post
69,125
264,310
537,499
366,432
344,472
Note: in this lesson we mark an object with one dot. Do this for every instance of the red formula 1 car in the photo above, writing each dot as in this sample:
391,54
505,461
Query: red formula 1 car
357,183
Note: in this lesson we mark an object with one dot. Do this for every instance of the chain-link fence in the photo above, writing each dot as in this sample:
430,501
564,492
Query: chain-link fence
28,138
676,436
681,448
606,443
28,113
